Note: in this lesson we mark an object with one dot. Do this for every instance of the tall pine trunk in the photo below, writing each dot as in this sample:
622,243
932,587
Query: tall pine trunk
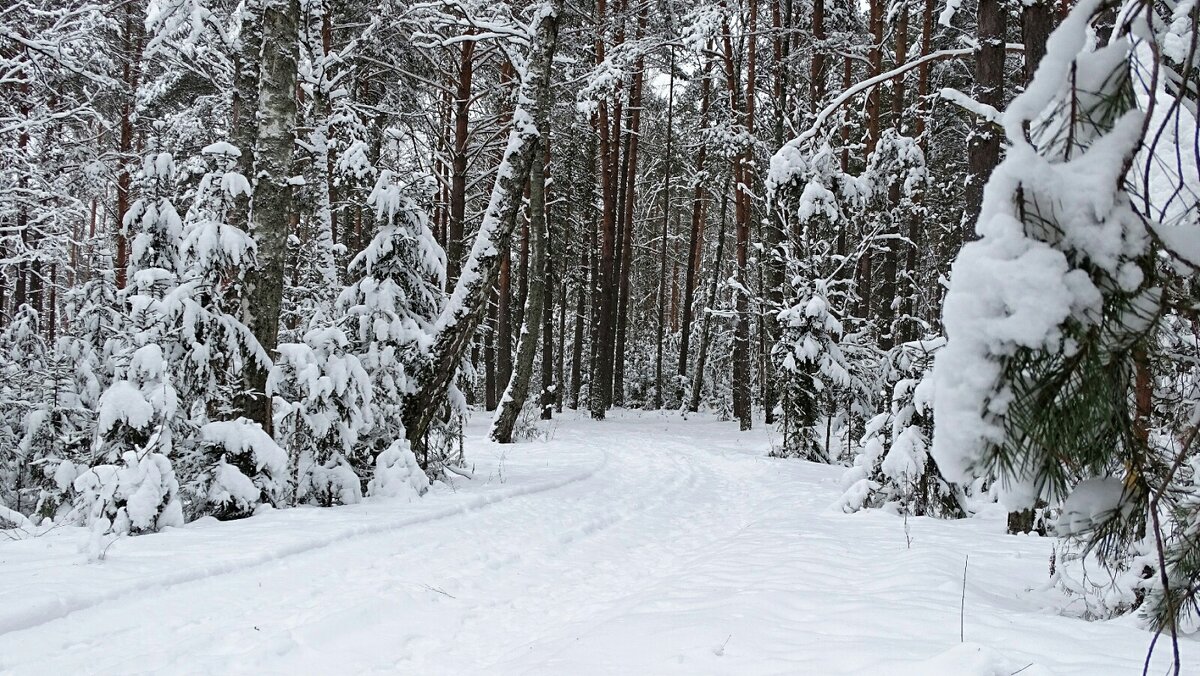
458,179
983,147
710,304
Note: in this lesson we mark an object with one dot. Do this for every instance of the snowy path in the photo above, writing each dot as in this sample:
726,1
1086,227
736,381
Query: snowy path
642,545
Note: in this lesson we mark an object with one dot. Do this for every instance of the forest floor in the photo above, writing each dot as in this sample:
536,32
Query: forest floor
644,544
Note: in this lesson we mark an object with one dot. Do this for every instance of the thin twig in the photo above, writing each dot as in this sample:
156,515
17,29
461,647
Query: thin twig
962,606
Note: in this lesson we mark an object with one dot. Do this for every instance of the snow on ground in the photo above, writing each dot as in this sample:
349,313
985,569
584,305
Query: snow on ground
640,545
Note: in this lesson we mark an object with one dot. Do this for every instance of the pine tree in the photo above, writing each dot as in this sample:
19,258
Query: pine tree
390,309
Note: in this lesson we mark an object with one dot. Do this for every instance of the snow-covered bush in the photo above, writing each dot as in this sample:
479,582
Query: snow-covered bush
892,468
23,373
58,429
397,474
178,351
135,494
322,398
251,469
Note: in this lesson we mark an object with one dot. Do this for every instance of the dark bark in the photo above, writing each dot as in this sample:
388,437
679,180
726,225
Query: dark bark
489,357
983,148
131,56
627,204
1037,23
710,303
875,56
696,242
817,67
888,290
546,272
604,289
458,178
503,338
743,172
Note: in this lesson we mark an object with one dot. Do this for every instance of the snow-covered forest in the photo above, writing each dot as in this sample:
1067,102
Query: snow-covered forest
875,292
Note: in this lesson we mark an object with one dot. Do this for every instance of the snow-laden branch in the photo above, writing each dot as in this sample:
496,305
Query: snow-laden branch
964,101
782,163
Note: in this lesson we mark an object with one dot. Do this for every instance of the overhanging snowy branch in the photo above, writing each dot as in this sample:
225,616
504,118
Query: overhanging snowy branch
780,172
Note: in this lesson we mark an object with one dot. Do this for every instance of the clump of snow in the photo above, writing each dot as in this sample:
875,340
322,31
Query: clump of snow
246,437
330,483
123,402
1091,503
232,489
397,474
221,148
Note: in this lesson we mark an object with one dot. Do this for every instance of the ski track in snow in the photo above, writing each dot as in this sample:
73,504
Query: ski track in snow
640,545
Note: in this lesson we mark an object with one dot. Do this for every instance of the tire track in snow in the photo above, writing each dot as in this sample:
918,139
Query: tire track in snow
30,616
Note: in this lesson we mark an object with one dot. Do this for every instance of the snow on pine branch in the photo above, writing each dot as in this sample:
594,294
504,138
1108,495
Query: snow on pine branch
787,162
1053,227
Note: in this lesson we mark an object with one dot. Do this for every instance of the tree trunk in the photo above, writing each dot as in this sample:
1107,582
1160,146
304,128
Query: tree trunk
131,56
983,147
1037,23
816,74
503,339
888,290
581,294
742,215
489,357
710,303
662,256
546,272
847,82
773,229
518,386
522,280
600,389
455,328
875,56
696,243
271,203
458,180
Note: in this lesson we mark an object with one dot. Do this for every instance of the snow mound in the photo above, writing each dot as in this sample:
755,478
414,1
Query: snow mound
397,474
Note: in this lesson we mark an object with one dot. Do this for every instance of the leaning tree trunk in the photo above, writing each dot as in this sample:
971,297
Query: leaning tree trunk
518,385
271,203
455,328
